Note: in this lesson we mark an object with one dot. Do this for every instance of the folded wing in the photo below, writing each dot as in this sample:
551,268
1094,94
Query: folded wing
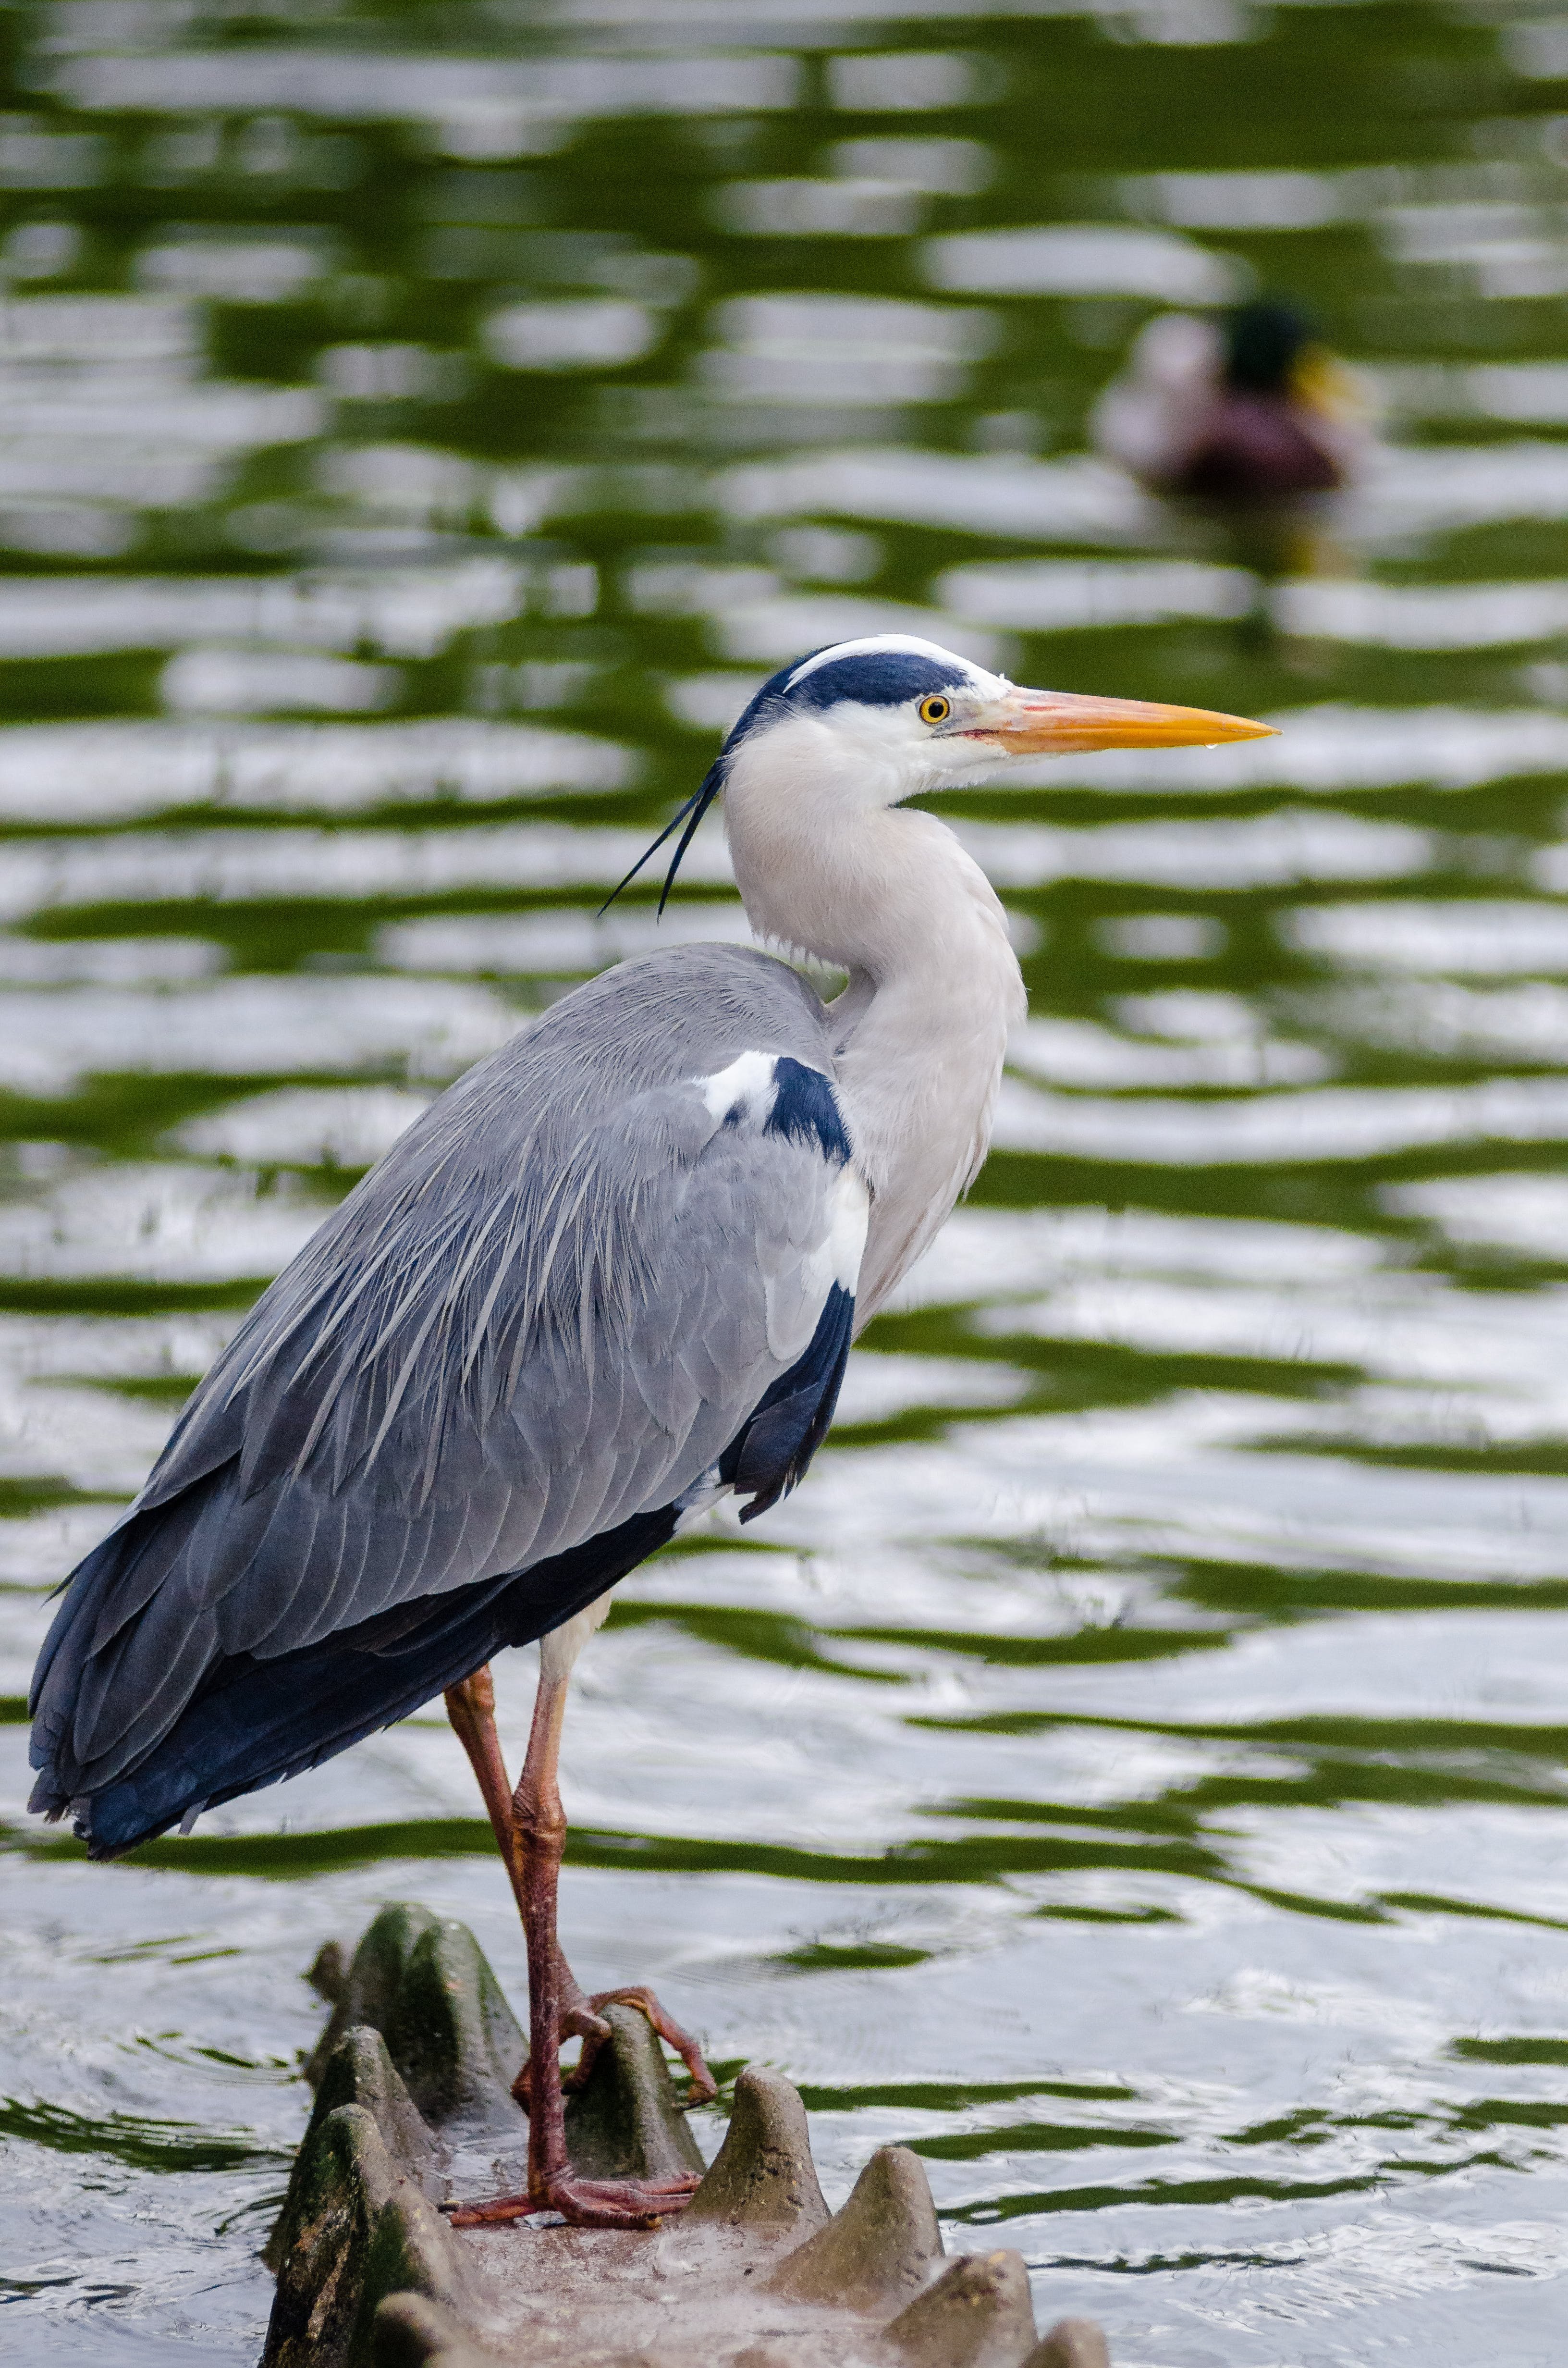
611,1271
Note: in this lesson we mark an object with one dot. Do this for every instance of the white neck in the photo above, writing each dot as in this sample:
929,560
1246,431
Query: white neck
826,865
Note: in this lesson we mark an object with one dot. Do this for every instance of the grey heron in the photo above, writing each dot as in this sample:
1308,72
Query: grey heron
611,1276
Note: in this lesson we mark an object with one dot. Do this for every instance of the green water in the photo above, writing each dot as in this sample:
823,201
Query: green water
1133,1769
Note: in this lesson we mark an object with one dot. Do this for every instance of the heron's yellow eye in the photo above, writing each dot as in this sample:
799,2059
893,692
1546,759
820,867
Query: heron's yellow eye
936,711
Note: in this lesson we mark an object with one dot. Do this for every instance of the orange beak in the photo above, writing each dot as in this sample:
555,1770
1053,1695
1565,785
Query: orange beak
1063,723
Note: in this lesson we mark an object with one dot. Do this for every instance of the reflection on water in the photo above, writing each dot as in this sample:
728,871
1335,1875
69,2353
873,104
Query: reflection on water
1129,1771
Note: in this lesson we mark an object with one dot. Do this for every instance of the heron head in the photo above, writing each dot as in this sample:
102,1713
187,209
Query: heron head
891,716
918,717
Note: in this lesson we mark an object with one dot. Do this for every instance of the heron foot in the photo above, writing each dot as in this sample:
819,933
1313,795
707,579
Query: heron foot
586,2203
582,2019
704,2087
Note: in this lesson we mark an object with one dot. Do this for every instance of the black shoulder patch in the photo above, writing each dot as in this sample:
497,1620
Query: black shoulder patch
806,1108
789,1421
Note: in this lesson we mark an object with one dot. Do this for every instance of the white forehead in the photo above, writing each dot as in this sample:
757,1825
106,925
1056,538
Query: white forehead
874,645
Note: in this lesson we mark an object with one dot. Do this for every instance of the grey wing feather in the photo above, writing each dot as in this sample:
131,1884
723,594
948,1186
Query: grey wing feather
548,1309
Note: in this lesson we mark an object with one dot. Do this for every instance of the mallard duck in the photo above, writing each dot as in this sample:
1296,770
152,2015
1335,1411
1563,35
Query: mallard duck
1244,411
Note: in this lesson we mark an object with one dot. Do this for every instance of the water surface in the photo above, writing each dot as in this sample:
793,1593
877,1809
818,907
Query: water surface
1133,1769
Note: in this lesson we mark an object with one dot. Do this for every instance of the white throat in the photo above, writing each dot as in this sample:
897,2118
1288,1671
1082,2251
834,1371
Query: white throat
827,865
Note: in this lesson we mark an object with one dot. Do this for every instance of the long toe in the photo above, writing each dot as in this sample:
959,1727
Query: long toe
704,2087
491,2212
620,2203
586,2202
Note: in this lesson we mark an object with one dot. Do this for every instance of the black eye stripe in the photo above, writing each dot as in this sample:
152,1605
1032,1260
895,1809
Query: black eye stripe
870,678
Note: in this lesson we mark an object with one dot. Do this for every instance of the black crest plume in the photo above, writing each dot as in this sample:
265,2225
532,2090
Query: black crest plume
691,813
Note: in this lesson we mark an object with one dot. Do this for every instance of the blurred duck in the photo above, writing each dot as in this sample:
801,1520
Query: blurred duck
1242,413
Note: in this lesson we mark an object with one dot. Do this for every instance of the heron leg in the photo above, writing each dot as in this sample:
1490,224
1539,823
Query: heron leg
471,1710
535,1841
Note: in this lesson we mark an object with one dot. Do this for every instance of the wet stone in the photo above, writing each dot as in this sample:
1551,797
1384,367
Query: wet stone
624,2122
411,2330
977,2315
1070,2343
412,2083
879,2248
359,2072
362,2231
763,2176
423,1983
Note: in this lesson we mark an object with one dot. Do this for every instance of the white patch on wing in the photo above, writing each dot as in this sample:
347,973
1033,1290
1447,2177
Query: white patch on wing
745,1086
796,1280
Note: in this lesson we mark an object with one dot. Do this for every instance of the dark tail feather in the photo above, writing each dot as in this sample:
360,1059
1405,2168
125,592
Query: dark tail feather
257,1721
102,1603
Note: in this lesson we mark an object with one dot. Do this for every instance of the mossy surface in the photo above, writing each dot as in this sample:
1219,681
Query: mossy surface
358,2228
414,2079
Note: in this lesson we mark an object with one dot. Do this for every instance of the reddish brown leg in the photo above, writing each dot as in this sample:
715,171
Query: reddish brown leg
534,1841
471,1709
